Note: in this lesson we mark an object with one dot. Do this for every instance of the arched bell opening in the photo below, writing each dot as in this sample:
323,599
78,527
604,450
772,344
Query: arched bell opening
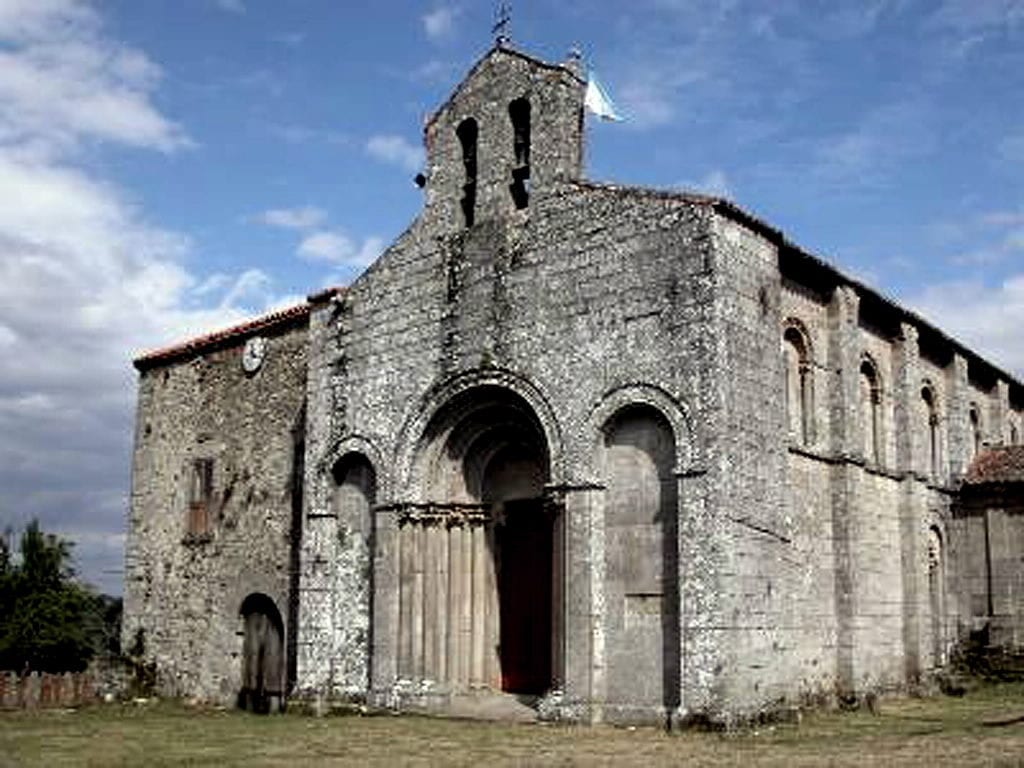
479,554
263,657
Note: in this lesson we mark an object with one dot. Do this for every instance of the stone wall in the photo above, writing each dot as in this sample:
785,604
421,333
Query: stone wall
543,310
890,498
184,589
987,582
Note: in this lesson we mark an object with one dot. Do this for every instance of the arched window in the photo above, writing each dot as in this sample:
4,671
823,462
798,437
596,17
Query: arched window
931,416
467,133
798,385
974,421
1014,432
870,412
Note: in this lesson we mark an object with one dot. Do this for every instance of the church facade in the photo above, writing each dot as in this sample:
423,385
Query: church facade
628,455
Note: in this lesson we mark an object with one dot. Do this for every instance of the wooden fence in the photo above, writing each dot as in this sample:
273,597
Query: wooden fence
42,689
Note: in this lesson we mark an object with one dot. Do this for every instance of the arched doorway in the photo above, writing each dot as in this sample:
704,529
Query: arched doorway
262,655
478,552
513,486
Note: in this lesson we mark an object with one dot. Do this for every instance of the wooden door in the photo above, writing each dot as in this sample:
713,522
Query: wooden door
524,584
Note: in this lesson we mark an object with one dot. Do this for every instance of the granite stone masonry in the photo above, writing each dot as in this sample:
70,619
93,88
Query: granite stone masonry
618,454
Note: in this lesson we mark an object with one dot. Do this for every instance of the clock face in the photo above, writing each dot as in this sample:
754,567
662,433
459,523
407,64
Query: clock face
253,353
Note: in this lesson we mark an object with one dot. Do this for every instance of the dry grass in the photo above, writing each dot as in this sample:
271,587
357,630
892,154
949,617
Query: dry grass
984,728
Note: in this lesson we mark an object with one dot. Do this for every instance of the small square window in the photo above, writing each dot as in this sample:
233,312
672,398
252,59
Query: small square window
199,498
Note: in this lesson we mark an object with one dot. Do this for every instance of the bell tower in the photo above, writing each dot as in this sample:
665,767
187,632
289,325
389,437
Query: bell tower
511,130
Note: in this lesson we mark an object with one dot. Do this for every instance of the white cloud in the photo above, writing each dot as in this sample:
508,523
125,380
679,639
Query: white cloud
648,103
439,24
434,72
61,81
85,279
397,151
990,239
972,15
1011,148
251,288
985,317
291,39
339,249
231,6
306,217
885,137
714,182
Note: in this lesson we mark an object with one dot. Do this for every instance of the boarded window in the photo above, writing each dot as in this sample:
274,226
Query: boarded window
200,496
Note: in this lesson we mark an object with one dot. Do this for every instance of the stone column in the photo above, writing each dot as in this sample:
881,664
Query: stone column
583,640
384,659
844,358
959,436
315,650
699,594
1000,414
911,458
844,418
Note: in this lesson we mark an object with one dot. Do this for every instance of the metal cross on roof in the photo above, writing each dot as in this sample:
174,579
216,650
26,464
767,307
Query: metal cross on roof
502,24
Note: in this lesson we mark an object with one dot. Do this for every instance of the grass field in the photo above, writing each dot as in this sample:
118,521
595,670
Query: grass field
986,727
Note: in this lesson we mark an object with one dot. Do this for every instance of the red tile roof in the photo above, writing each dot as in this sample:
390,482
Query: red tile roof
187,349
997,465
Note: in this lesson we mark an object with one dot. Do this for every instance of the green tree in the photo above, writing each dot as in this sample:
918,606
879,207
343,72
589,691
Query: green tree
48,621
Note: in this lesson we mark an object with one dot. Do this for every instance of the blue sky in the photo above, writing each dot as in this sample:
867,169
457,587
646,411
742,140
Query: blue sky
170,166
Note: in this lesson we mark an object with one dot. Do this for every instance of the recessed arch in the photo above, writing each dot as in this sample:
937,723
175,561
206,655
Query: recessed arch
931,418
670,408
478,550
798,381
354,492
408,479
871,409
638,459
356,444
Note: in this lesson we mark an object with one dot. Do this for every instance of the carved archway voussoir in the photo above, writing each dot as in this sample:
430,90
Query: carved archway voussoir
671,408
414,430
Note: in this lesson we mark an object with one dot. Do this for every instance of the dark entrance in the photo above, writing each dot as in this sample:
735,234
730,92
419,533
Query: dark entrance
524,586
262,655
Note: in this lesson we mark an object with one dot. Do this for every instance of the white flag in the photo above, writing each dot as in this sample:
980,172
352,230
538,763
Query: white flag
598,101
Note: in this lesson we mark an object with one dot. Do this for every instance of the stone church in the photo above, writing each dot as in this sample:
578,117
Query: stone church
616,454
